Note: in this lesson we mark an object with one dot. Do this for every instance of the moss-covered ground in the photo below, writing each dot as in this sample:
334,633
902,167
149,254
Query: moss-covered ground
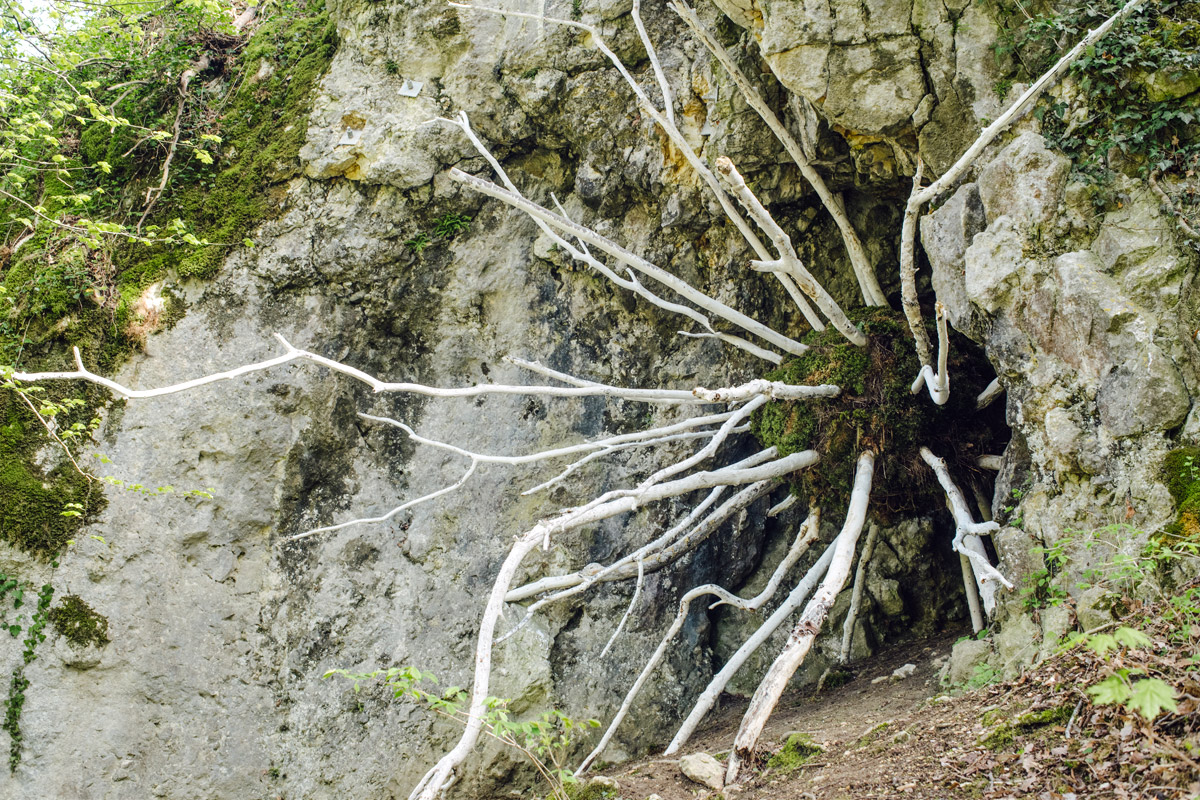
876,410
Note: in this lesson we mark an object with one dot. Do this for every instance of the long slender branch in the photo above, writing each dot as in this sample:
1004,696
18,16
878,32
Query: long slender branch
664,85
716,686
788,260
442,773
868,284
584,255
919,197
630,259
767,695
938,382
967,533
860,581
591,389
805,536
673,133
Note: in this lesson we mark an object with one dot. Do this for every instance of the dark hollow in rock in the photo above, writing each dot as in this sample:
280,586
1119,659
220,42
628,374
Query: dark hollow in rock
876,410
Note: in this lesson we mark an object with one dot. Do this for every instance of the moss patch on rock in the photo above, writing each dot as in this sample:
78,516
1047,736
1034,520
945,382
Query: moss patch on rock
876,410
79,623
1181,473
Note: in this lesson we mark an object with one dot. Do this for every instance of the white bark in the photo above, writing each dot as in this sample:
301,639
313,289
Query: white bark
863,271
716,686
631,260
860,581
673,133
767,695
989,395
584,255
919,197
967,533
991,462
938,382
788,261
804,538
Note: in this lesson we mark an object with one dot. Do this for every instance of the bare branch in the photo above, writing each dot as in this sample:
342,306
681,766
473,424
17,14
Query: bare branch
938,382
868,284
631,260
804,538
860,580
673,133
966,538
989,395
788,261
767,695
663,84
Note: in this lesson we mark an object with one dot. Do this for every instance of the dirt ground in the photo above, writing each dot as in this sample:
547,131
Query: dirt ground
890,738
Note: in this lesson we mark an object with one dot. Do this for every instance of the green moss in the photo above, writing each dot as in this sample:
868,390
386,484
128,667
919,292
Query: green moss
796,751
589,791
32,499
876,410
79,623
1181,473
1004,734
263,128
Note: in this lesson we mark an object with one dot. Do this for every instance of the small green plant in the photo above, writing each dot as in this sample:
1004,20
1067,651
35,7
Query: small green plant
545,741
451,225
1041,590
576,10
1125,687
418,243
18,683
392,67
983,675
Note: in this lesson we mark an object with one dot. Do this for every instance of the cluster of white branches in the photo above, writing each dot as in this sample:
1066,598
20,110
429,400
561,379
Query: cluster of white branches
727,489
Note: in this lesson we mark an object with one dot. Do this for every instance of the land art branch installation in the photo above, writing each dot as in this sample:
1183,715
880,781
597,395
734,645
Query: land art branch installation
722,491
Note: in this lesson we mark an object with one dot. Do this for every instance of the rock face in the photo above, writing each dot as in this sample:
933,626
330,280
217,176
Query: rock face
221,628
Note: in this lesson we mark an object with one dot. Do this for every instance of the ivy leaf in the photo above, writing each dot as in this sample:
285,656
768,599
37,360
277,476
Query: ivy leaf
1150,697
1110,691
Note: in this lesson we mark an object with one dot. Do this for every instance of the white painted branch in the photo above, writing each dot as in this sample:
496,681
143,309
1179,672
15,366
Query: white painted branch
972,591
938,382
673,133
788,260
664,85
636,438
716,686
767,695
868,284
783,505
441,775
657,554
763,388
991,462
574,466
402,507
804,537
909,300
637,594
1018,108
860,581
920,197
631,260
584,255
989,395
967,533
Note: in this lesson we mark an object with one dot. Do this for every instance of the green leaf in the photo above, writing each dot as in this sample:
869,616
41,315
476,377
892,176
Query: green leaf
1150,697
1101,643
1110,691
1131,638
